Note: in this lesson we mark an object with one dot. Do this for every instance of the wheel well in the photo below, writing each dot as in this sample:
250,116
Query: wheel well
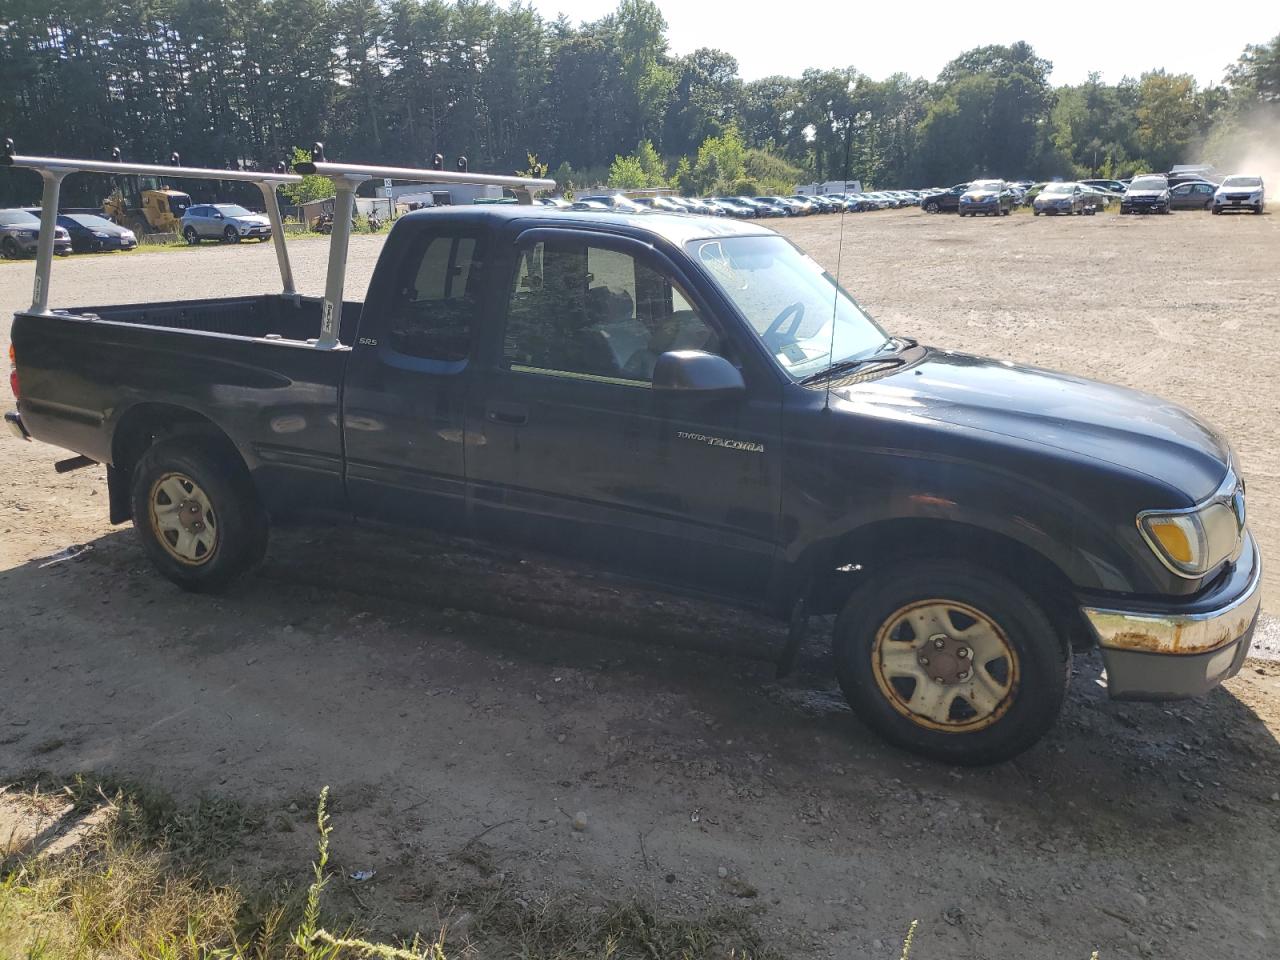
846,563
145,425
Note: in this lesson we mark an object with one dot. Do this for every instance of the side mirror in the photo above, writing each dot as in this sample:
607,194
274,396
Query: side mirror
693,371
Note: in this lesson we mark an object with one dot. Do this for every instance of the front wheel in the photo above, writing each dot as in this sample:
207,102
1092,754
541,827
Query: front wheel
958,665
930,208
230,235
197,514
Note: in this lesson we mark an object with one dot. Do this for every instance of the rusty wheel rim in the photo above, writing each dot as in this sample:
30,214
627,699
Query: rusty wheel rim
183,519
945,666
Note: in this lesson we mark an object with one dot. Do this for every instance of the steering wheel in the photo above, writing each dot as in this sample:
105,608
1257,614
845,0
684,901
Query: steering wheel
775,338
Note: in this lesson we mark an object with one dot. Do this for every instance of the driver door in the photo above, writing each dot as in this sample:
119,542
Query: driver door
571,450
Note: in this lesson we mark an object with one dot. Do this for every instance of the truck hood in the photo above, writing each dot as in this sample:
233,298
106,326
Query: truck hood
1106,423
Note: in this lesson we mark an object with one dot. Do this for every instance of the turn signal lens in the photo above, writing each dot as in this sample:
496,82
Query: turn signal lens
1178,537
13,372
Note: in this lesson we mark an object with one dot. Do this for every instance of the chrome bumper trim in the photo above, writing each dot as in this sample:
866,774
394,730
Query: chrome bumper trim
1176,634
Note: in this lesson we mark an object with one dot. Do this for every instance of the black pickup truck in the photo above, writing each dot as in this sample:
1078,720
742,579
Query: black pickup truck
694,402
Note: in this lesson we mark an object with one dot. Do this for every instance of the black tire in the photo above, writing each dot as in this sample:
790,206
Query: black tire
1217,211
930,208
1037,675
9,249
230,235
235,513
189,234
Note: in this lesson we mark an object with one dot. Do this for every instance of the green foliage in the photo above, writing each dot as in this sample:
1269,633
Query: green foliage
721,160
394,81
312,187
533,168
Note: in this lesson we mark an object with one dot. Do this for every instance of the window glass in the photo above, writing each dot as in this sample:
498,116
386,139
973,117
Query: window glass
594,312
437,305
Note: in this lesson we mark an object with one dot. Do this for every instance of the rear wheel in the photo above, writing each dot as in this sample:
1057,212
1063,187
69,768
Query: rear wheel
955,664
931,207
190,235
197,514
9,248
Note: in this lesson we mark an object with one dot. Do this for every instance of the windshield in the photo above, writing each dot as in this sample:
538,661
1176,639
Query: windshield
985,185
18,218
89,220
1242,182
789,301
1149,183
232,210
1058,188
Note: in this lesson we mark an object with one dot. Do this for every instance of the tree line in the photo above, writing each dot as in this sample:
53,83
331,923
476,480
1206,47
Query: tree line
245,82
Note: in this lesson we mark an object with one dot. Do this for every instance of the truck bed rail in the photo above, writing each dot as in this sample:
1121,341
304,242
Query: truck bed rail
346,178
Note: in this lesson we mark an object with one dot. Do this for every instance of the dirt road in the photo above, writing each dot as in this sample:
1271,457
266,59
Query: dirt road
444,690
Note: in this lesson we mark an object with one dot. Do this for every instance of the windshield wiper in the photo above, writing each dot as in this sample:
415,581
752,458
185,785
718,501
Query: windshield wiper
897,344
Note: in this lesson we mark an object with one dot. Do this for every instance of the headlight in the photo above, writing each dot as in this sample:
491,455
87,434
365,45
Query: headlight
128,235
1193,542
244,229
26,234
100,235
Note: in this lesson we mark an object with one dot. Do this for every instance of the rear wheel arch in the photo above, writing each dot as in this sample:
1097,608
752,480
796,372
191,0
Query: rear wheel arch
838,567
146,424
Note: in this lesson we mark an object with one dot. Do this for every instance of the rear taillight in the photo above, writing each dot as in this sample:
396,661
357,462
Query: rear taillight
13,372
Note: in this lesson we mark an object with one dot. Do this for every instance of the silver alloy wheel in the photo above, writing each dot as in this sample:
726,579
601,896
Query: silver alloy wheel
183,520
945,665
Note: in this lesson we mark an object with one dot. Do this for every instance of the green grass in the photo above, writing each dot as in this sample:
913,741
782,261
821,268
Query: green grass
140,887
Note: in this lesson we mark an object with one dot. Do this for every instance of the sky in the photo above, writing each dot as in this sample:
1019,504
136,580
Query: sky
919,38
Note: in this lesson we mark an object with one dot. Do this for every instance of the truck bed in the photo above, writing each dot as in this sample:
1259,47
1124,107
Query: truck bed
92,375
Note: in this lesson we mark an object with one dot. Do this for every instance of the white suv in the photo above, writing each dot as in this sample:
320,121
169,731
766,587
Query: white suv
1240,193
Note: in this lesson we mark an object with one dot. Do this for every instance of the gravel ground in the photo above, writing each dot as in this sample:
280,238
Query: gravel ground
433,685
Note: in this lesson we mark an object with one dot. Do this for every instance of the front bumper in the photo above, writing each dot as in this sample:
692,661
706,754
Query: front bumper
13,420
1186,650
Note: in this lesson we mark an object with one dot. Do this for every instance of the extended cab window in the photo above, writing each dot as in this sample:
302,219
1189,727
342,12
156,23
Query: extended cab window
437,302
581,310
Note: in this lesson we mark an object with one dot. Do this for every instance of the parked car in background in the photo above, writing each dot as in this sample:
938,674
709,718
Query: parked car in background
805,204
19,232
945,201
992,198
1192,195
762,208
1148,193
559,203
694,205
1060,198
590,204
664,204
1240,192
616,202
91,233
228,222
1115,186
1098,199
733,209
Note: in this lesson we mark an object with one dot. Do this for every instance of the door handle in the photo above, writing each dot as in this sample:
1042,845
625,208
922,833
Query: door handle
510,414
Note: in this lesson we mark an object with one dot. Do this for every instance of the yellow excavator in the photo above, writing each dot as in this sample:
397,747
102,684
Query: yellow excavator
152,209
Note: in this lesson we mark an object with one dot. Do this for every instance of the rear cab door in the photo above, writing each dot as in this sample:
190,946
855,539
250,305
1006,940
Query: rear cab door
411,368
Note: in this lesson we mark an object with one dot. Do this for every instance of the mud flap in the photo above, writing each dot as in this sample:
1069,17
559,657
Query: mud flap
797,628
118,495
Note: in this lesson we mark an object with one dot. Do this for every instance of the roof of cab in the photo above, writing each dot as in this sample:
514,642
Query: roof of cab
675,228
